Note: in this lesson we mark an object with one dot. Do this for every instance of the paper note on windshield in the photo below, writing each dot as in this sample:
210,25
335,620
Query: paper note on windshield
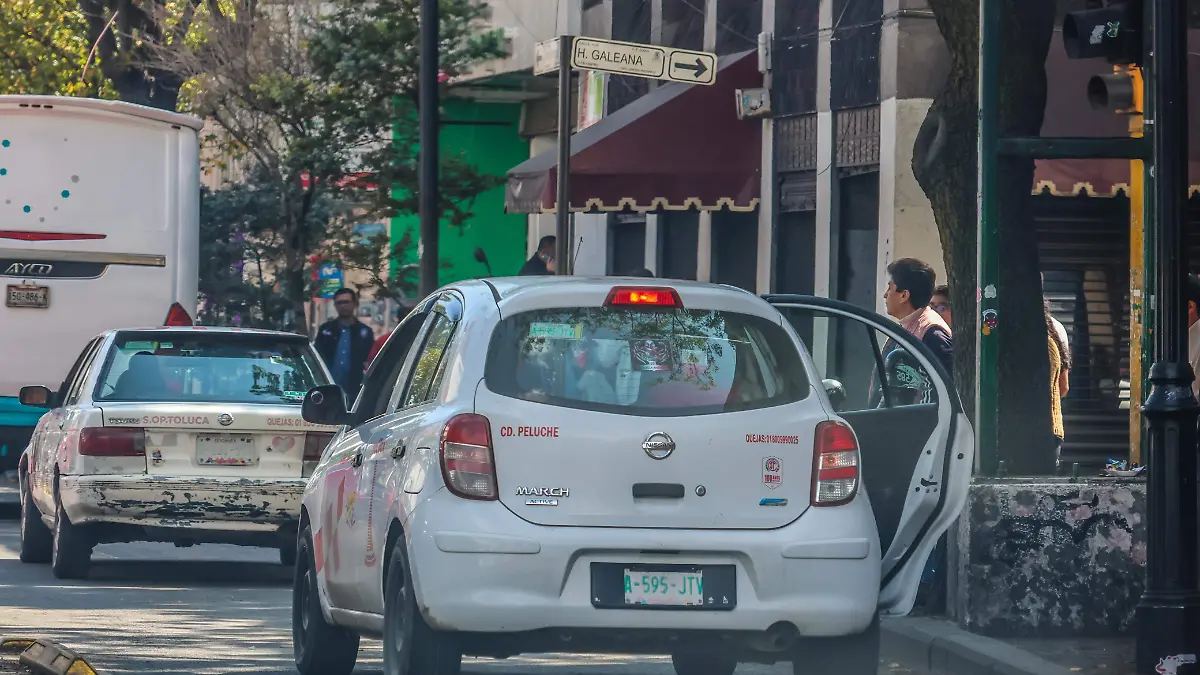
561,331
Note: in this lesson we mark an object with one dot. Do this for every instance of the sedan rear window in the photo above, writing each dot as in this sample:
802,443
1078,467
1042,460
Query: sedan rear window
217,367
645,361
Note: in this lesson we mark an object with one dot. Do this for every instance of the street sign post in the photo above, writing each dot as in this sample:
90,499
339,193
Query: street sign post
567,53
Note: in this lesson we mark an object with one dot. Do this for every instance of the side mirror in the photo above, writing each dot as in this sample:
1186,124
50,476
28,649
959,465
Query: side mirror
836,393
37,397
325,405
481,258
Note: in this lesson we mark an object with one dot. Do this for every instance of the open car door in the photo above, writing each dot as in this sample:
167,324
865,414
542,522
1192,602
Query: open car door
917,445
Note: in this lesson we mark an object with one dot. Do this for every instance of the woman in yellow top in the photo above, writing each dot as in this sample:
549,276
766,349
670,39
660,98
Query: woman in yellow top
1060,366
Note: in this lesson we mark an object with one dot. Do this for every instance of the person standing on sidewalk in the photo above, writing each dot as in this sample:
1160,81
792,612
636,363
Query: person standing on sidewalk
907,299
542,260
1193,301
1060,366
941,303
345,342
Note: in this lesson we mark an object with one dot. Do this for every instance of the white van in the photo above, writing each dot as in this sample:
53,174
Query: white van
99,229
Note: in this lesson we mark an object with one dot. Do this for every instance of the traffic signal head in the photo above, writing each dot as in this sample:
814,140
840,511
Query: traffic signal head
1114,92
1112,32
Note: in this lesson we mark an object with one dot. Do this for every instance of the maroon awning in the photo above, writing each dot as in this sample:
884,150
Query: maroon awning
1069,114
679,147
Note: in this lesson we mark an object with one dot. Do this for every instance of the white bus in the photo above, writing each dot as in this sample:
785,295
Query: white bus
99,229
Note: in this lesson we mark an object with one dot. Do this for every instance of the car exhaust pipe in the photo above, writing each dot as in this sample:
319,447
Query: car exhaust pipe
780,637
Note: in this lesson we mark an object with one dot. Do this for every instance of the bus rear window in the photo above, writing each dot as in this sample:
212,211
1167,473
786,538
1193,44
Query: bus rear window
645,361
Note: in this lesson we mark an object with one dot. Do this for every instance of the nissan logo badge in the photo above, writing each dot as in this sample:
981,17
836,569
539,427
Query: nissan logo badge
225,419
658,445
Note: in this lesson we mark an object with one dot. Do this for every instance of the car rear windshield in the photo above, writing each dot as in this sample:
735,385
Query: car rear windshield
216,367
646,362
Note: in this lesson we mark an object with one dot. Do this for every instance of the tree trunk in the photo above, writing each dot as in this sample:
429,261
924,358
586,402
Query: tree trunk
945,162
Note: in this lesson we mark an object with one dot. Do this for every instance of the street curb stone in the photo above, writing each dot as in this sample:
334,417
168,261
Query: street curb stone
942,648
44,657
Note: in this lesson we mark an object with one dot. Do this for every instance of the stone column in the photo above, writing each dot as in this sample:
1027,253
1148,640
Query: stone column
826,244
766,202
914,63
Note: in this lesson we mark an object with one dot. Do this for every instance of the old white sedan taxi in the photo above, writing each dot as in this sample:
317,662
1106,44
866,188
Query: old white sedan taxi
567,464
186,435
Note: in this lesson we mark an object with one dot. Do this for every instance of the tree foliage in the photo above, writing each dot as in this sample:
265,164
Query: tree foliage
321,104
44,48
945,163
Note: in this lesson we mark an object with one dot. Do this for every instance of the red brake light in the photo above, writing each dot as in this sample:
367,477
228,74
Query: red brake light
314,444
467,461
27,235
835,465
178,316
112,442
645,297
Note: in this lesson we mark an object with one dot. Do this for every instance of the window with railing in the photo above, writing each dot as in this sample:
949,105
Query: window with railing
794,57
630,23
738,24
854,53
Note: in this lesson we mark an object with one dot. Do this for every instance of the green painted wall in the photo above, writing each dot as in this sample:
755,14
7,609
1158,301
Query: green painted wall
488,134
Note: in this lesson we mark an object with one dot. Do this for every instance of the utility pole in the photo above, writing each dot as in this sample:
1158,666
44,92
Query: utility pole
562,207
427,182
1168,615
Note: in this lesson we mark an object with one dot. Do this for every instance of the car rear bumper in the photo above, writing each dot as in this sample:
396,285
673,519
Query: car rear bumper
479,568
224,504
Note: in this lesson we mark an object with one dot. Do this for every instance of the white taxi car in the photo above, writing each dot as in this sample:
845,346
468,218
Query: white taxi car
185,435
576,465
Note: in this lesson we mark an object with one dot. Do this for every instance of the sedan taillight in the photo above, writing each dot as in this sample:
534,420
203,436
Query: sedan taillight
112,442
468,464
314,446
835,465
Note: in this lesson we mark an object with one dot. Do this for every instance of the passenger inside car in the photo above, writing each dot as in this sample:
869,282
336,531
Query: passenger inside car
142,380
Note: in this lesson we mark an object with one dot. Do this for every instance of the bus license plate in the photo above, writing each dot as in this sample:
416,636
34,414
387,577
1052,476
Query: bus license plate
28,297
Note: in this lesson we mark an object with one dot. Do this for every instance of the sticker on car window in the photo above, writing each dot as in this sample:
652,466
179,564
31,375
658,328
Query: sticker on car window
562,331
650,355
139,346
294,395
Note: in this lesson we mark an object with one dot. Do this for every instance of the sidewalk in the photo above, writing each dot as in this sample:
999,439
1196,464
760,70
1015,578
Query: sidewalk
940,646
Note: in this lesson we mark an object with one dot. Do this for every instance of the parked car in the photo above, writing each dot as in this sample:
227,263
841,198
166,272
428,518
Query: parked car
560,464
185,435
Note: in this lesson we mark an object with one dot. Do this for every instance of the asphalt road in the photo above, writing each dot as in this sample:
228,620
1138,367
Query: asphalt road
153,608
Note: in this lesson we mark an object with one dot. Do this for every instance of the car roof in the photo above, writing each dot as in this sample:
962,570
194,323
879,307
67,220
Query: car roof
207,330
506,286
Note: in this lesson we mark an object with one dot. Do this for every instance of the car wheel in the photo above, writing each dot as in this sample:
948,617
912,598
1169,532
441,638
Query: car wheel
37,542
410,646
320,648
848,655
287,554
71,553
703,664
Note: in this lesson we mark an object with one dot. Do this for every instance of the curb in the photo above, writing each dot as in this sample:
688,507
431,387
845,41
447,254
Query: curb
43,657
942,648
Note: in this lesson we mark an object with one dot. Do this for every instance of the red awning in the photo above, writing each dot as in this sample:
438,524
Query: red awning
679,147
1069,114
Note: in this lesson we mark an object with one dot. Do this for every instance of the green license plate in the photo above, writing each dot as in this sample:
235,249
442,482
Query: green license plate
673,589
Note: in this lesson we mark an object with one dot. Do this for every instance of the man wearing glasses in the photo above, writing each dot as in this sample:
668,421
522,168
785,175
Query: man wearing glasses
345,342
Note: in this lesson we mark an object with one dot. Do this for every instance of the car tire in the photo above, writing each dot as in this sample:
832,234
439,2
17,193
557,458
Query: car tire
320,648
287,554
71,552
410,646
703,664
37,541
847,655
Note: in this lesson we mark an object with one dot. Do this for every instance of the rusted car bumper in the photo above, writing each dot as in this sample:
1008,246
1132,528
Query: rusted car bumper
228,504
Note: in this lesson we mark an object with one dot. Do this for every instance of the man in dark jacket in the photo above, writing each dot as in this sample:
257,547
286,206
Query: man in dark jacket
345,342
543,259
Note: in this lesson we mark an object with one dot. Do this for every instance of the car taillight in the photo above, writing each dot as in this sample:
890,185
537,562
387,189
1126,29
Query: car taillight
112,442
624,296
467,462
835,465
315,443
178,316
